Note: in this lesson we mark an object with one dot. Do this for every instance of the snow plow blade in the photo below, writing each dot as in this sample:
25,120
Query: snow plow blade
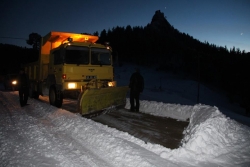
92,101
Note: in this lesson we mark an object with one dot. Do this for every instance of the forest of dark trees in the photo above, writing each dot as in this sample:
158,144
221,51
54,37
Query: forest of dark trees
13,56
161,45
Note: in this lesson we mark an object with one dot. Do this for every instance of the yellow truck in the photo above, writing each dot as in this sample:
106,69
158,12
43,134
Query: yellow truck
73,64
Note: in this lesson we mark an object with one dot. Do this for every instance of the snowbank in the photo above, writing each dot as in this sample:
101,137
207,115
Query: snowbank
213,136
210,135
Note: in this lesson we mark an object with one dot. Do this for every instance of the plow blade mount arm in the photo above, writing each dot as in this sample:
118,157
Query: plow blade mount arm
96,100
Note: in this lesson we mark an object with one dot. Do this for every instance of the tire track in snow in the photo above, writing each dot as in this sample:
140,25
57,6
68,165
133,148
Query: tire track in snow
38,126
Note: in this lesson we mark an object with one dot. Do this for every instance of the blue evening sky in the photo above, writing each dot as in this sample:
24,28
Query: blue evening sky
220,22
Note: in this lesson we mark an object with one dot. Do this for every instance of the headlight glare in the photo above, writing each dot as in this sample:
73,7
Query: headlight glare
14,82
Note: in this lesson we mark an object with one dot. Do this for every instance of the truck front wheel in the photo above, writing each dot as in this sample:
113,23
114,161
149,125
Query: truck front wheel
55,99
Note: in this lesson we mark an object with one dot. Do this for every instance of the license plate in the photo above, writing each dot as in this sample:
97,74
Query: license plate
91,77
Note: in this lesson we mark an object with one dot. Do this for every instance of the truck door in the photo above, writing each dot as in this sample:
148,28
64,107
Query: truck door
57,65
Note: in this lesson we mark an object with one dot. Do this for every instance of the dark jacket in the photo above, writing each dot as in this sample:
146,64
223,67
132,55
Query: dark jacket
23,81
136,82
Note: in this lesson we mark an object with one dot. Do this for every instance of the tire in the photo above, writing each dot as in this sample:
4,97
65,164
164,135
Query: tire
53,98
59,101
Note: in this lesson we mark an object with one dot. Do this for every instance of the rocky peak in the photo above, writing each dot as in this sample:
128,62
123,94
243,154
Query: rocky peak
159,21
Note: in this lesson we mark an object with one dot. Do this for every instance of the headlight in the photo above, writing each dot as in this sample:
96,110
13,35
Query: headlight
71,85
14,82
111,84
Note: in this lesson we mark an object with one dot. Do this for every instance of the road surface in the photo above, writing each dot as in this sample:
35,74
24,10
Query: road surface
158,130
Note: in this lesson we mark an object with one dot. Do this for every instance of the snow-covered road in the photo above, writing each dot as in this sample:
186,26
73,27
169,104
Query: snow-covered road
36,136
42,135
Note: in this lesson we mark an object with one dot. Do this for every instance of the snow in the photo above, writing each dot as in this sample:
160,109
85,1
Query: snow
218,133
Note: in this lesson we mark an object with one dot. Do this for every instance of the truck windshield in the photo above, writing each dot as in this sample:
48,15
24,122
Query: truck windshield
76,55
100,56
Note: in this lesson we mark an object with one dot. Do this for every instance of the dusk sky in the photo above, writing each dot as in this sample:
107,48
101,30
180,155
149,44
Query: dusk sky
220,22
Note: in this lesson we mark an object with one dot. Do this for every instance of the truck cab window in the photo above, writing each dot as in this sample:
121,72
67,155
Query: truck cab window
58,58
77,55
100,56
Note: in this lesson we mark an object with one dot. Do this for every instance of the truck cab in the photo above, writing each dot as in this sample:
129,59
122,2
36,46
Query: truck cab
69,64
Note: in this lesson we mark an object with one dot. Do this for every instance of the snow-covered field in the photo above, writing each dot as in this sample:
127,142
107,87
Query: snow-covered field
42,135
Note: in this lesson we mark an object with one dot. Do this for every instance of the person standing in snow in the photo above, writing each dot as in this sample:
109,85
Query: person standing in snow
23,85
136,86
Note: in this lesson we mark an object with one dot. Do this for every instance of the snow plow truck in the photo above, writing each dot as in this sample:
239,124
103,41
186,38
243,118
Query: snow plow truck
72,63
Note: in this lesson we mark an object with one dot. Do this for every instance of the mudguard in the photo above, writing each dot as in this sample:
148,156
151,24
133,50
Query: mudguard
98,99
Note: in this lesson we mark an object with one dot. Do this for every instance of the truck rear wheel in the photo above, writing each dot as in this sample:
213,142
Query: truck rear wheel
53,98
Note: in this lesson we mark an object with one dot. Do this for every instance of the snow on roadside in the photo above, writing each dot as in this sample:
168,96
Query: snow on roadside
215,137
45,135
175,111
209,137
41,133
